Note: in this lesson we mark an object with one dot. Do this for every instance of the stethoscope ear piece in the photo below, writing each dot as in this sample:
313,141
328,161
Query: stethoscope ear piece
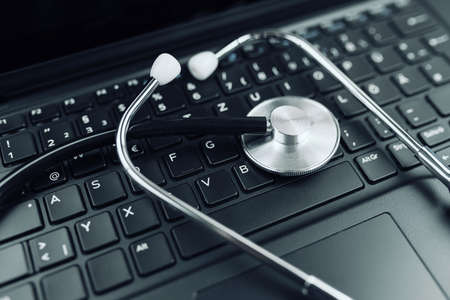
203,64
165,68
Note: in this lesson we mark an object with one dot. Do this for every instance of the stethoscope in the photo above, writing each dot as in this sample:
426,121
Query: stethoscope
285,135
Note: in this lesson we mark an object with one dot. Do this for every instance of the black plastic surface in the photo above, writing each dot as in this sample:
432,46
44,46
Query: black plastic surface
371,260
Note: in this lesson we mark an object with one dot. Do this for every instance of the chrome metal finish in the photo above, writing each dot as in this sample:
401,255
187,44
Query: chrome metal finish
425,155
228,234
305,136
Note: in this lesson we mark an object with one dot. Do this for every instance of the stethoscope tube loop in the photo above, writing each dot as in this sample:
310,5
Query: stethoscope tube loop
307,281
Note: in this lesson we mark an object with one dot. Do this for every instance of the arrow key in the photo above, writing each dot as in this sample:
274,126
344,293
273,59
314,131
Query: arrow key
52,248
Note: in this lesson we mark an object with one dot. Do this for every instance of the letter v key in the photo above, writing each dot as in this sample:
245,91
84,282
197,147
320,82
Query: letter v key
206,182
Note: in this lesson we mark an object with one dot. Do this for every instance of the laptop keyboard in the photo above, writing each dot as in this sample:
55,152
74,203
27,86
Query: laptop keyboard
86,230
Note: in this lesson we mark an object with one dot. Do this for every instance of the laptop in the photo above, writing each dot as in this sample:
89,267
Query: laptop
372,223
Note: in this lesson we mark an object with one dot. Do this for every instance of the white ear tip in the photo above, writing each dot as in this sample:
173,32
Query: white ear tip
203,64
165,68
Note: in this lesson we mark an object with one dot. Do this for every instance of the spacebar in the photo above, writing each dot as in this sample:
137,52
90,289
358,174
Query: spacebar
274,206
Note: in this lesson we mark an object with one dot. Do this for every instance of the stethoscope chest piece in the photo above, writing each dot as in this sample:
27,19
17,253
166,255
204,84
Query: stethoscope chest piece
304,136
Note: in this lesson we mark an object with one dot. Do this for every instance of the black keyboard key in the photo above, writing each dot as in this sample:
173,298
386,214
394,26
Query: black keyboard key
396,115
357,68
64,204
382,131
11,123
439,41
444,155
220,149
56,135
385,60
87,163
135,149
108,94
17,147
410,81
96,232
324,82
382,91
437,71
355,136
52,248
413,51
380,11
254,49
30,220
138,216
264,70
381,33
296,86
94,122
105,189
185,193
277,43
77,104
251,178
23,292
109,271
347,104
134,86
151,169
233,80
44,113
311,33
183,162
160,142
417,112
435,135
135,188
231,59
404,6
333,27
15,263
356,20
152,254
329,48
167,100
67,284
49,178
216,188
404,157
234,107
200,112
439,99
354,42
193,239
413,23
376,166
253,98
142,115
201,91
294,61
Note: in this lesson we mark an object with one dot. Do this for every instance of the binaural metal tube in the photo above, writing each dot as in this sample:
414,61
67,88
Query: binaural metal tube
307,281
424,154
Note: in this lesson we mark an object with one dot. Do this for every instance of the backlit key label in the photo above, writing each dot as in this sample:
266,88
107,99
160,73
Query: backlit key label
52,248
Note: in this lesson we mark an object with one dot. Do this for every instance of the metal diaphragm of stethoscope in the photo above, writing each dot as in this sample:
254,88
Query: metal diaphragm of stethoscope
284,135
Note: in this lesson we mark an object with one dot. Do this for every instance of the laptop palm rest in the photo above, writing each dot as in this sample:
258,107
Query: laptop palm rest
372,260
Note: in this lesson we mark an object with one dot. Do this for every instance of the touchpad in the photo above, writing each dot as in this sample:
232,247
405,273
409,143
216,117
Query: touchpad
372,260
